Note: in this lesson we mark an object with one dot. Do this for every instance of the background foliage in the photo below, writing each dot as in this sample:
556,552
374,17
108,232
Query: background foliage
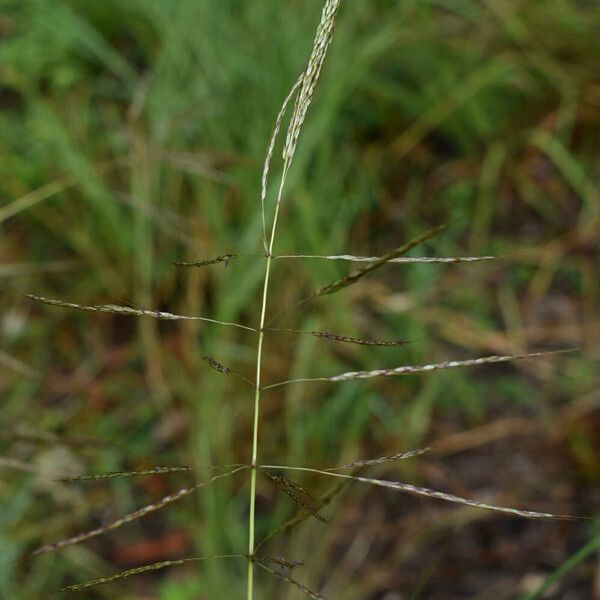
132,135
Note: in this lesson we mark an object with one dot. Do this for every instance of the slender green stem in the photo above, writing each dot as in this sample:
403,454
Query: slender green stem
261,335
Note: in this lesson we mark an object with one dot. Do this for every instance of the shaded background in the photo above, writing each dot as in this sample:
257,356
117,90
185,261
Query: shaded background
132,135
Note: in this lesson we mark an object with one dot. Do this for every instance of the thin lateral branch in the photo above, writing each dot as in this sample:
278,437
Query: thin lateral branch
378,262
398,260
116,474
322,501
144,472
271,150
383,459
132,312
281,561
332,337
421,491
412,369
291,581
223,258
144,569
451,364
297,493
354,276
217,366
360,273
137,514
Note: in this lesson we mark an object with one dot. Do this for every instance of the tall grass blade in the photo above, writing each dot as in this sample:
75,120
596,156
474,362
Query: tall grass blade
47,191
592,547
18,366
47,437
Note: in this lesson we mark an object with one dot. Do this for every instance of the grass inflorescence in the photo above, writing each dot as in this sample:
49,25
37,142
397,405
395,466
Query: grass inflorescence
245,268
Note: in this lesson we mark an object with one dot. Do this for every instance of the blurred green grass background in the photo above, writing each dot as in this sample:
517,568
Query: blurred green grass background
132,135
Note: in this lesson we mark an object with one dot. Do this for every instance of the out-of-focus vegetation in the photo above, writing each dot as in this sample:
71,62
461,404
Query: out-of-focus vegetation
132,135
